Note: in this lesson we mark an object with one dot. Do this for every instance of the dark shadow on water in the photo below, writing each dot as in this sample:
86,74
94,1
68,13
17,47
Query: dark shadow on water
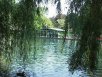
4,73
22,73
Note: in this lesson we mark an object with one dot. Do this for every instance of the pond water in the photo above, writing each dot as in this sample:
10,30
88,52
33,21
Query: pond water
45,58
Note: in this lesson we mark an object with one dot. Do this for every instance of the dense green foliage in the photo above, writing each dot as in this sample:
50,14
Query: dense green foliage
17,27
42,21
89,12
75,23
58,21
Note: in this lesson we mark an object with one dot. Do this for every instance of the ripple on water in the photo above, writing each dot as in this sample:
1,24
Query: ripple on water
50,61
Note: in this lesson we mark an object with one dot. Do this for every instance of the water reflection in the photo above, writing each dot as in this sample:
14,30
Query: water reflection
42,58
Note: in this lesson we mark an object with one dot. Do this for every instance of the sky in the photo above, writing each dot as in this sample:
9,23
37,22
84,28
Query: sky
52,8
17,1
52,12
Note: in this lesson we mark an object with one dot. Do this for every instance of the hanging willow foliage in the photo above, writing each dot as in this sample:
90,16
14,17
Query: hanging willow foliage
88,46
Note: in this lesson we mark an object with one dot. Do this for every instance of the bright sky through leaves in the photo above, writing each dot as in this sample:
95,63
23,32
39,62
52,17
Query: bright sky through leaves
52,8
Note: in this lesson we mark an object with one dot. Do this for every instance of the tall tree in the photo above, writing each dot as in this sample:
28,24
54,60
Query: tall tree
88,47
5,31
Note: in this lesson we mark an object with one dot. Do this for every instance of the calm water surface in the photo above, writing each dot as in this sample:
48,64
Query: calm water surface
45,58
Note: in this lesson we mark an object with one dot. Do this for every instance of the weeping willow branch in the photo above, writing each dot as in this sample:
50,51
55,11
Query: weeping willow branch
87,52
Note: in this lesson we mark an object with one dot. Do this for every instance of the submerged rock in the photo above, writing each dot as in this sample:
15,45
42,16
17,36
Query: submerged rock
4,74
23,74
